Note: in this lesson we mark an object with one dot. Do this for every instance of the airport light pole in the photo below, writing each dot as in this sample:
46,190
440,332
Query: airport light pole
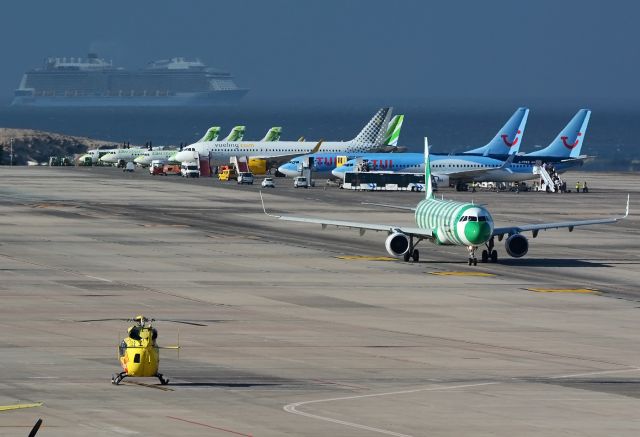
11,153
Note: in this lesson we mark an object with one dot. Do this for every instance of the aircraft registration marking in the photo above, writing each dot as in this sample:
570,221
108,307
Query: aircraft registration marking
564,290
366,258
481,274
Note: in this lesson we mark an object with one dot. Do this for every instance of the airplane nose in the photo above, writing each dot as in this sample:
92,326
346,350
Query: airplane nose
477,233
287,170
337,172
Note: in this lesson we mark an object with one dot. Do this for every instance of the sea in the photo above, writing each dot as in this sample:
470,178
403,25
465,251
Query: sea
612,136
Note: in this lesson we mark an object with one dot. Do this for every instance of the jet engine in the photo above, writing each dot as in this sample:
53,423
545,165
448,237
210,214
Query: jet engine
397,244
517,245
441,180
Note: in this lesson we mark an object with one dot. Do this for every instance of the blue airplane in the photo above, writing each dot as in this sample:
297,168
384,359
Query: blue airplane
506,142
563,152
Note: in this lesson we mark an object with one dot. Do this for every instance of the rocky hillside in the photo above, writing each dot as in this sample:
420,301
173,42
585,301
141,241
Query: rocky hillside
33,145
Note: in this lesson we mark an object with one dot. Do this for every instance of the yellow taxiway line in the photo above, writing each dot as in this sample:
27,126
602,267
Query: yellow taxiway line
462,274
19,406
366,258
563,290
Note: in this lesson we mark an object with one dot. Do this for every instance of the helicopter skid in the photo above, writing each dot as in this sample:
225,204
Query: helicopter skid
116,379
162,380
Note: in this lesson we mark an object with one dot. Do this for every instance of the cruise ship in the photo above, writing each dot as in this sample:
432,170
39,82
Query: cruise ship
95,82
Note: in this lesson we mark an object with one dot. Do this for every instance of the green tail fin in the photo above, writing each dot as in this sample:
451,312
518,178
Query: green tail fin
211,135
236,134
273,134
428,185
393,131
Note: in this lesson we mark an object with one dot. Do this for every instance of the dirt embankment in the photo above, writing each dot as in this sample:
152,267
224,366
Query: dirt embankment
38,146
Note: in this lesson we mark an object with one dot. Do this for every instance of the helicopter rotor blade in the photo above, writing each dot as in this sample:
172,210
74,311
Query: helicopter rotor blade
35,428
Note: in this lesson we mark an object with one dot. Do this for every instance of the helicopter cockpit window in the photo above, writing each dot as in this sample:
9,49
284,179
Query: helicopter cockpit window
134,333
136,358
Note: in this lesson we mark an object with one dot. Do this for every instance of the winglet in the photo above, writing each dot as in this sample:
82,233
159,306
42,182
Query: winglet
265,209
627,212
317,147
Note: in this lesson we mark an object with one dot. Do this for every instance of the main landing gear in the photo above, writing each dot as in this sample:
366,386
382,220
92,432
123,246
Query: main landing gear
490,254
412,252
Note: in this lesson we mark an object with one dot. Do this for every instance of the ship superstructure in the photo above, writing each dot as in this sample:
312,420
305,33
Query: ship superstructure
92,81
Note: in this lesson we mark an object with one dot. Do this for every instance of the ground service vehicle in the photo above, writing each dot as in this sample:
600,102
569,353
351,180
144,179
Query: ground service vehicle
268,183
190,169
171,169
245,178
156,167
227,173
300,182
130,167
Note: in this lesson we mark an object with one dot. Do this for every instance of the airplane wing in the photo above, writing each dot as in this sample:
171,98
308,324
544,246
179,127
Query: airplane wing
281,159
500,232
385,205
362,227
471,174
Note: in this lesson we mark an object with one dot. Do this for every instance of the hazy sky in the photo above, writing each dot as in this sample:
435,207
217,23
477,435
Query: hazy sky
564,52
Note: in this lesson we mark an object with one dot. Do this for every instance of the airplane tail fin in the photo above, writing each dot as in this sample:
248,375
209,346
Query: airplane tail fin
393,131
508,139
568,143
273,134
236,134
211,134
428,184
374,131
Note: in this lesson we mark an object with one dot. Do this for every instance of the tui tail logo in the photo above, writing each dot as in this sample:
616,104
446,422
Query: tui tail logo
508,143
571,146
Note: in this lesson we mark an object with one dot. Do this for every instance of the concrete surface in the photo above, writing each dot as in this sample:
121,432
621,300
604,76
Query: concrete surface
303,334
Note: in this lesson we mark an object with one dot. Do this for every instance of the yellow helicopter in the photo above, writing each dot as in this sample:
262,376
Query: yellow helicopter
139,353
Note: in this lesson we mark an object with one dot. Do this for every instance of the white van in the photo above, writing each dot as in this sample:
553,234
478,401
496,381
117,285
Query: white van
189,169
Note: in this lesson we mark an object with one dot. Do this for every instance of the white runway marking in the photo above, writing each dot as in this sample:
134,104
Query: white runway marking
99,279
292,408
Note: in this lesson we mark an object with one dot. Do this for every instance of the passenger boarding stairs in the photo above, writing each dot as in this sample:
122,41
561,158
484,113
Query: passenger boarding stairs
549,181
240,163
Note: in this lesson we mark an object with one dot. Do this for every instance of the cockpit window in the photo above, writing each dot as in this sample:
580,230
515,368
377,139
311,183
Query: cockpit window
473,219
482,218
464,218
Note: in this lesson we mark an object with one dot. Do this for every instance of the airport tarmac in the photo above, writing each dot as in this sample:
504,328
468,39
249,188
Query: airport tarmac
308,332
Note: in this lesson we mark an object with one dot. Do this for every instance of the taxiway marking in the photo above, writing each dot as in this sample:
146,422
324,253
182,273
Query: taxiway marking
19,406
292,408
462,274
365,258
209,426
564,290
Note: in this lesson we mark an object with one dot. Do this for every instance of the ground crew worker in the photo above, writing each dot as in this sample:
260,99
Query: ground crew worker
585,189
577,187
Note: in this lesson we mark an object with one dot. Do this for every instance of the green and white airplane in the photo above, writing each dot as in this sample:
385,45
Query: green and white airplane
212,134
448,222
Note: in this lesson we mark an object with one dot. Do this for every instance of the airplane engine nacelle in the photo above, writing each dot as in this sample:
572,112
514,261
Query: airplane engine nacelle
397,244
517,245
441,180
